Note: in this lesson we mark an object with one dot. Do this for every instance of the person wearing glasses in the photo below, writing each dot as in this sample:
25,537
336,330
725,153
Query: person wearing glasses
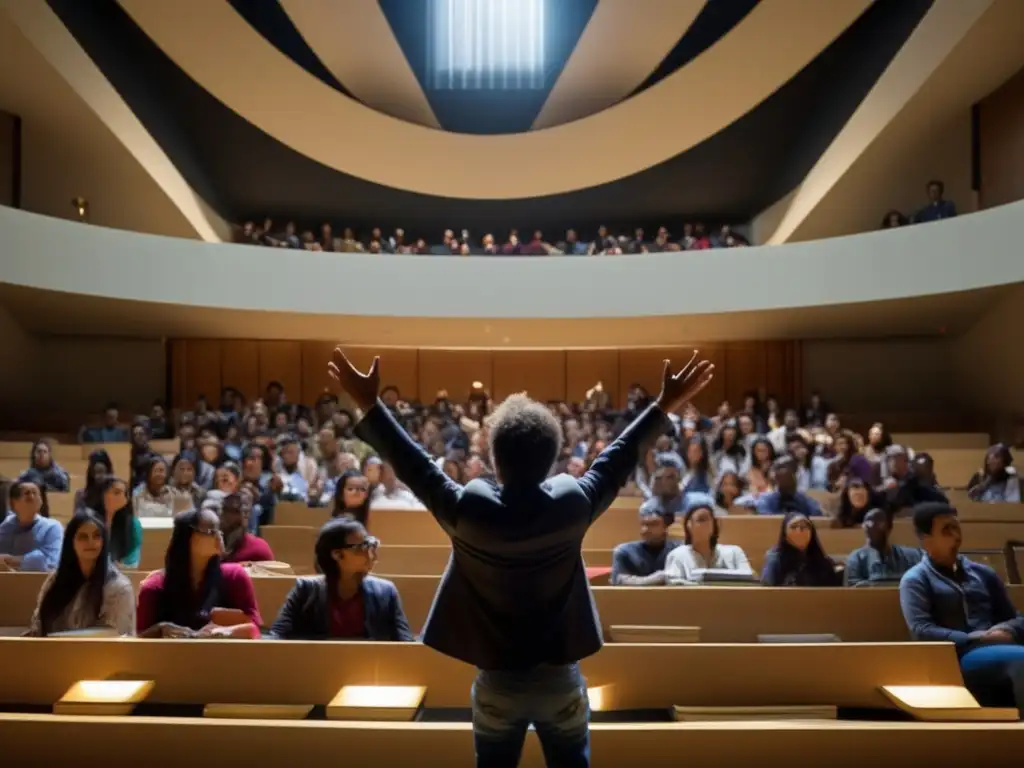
196,594
345,602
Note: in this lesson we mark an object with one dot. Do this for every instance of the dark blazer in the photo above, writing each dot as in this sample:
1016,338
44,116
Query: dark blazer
305,614
515,593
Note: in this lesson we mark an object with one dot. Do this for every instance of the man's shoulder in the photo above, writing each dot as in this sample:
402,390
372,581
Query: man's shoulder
379,586
917,573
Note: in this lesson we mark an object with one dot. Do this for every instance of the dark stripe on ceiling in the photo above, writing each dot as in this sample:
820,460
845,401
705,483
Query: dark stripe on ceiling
486,111
716,19
730,177
271,20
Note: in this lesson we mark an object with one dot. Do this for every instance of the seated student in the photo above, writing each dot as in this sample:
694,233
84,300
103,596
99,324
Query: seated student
812,470
196,595
701,549
997,481
124,529
352,496
948,598
698,477
879,560
390,492
54,477
730,492
902,487
86,590
184,488
154,497
798,560
346,602
100,466
786,496
29,539
666,492
110,431
856,500
642,563
240,546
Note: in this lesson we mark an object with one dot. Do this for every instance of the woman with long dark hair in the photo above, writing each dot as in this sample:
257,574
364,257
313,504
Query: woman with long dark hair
141,453
728,453
100,467
352,496
798,560
41,461
698,476
701,549
196,594
997,481
758,475
124,529
856,500
86,590
183,483
154,497
345,602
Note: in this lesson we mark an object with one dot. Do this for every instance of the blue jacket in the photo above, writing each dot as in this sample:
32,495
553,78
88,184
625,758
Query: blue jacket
306,615
774,503
937,608
515,593
38,545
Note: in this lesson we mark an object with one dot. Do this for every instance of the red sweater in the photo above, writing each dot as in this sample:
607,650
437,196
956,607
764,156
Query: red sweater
251,549
236,591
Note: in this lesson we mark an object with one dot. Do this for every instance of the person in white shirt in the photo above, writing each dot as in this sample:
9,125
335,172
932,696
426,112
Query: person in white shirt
701,549
392,493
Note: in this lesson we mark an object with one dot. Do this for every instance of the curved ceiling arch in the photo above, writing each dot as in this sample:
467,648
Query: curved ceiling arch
371,64
592,79
774,42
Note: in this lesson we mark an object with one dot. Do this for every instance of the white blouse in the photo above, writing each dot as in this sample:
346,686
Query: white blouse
683,561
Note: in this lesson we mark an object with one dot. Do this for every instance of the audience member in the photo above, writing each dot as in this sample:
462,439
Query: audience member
729,492
997,481
759,471
701,550
878,560
855,501
352,497
948,598
848,463
154,497
346,602
878,443
159,427
141,453
196,595
666,493
903,488
894,219
698,477
798,560
240,546
184,490
98,469
86,590
109,432
786,497
124,530
938,207
41,460
228,478
642,563
297,471
392,493
29,539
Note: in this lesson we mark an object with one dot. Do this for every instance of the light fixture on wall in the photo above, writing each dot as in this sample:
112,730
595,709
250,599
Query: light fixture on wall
81,206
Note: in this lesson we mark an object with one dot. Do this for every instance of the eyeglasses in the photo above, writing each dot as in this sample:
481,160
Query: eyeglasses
206,531
370,543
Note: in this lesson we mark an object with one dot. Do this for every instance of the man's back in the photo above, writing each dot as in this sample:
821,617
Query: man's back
515,593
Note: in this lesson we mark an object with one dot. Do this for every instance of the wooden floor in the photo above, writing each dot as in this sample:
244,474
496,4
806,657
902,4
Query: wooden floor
53,740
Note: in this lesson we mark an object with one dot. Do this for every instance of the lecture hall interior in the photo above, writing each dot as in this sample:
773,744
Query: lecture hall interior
205,560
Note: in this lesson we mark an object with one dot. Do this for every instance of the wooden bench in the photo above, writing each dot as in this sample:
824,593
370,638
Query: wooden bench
56,740
724,614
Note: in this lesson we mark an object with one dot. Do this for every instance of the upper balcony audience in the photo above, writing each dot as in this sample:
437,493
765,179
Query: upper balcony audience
798,560
948,598
29,539
196,594
701,550
936,209
878,561
346,602
86,590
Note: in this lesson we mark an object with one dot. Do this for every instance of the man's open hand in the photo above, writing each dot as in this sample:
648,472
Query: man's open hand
361,387
678,389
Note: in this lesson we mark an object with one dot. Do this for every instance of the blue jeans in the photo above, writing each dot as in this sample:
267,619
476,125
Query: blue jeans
552,699
995,675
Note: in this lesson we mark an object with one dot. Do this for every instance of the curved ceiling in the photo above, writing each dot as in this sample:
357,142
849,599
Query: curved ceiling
774,42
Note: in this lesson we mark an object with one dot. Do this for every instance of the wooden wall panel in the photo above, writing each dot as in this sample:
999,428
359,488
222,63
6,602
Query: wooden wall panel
202,371
1001,134
585,367
315,379
455,371
539,373
240,366
281,361
179,373
204,366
